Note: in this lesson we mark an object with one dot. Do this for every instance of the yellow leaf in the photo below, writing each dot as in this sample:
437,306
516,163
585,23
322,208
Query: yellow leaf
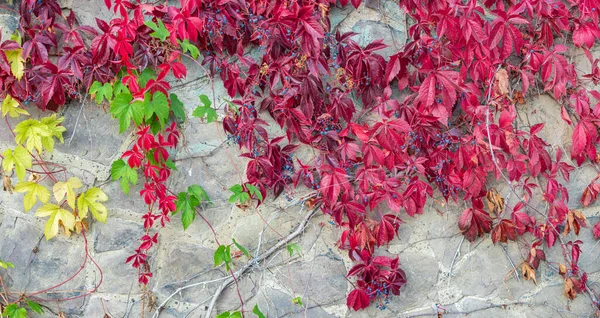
16,36
11,107
56,214
17,62
34,191
53,125
19,158
90,200
31,131
61,189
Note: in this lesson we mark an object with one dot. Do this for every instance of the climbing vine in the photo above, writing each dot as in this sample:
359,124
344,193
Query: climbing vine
437,118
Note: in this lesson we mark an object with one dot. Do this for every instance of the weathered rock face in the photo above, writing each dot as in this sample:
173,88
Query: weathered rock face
442,269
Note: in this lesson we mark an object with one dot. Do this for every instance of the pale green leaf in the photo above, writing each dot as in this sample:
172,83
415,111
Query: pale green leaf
63,188
91,200
19,158
11,107
17,62
34,193
56,214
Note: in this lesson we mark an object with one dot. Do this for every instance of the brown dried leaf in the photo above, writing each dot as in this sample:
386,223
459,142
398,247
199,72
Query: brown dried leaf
81,225
495,201
570,291
562,269
528,272
501,82
7,184
34,177
575,220
518,98
65,229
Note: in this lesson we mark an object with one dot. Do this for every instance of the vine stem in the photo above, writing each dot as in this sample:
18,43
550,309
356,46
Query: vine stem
241,271
87,256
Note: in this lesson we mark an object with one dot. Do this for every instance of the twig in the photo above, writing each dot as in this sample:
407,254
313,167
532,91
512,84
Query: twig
456,255
268,253
77,120
511,263
229,279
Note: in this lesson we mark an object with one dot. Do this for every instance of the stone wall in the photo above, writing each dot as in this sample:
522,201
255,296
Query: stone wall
442,268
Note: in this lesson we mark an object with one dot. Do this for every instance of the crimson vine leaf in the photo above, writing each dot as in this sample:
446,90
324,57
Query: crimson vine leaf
474,222
358,299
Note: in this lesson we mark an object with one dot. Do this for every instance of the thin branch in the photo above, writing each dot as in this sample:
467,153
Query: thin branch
456,255
78,116
262,257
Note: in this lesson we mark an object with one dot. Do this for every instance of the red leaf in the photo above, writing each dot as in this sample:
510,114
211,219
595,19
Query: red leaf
356,3
358,298
427,90
579,139
474,222
596,230
565,115
504,231
332,183
586,34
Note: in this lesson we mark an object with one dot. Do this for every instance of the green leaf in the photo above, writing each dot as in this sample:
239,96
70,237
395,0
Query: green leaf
238,194
122,109
159,106
6,265
227,314
31,132
297,301
293,247
257,312
205,100
146,75
205,112
19,158
160,31
254,191
120,88
121,170
13,311
177,107
91,200
170,164
223,255
241,248
35,307
198,192
56,214
186,204
11,107
100,92
61,189
34,192
186,46
17,62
